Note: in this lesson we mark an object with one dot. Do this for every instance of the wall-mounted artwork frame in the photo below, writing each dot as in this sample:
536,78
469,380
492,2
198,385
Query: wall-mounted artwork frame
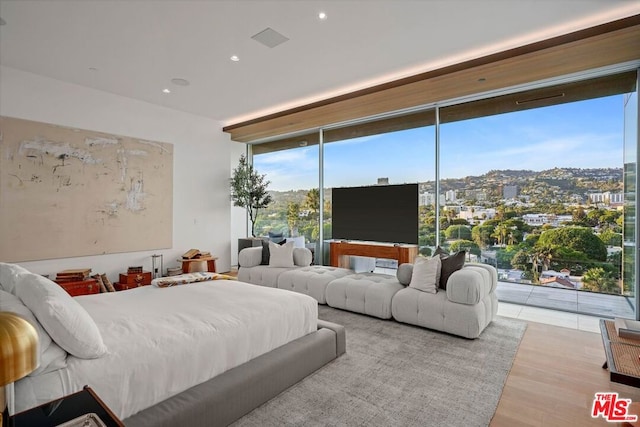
67,192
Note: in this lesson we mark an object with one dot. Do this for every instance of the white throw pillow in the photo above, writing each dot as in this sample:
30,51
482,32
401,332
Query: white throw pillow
66,321
426,274
281,255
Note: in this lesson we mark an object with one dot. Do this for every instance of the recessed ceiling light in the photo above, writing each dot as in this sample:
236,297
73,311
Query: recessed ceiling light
180,82
322,16
166,91
235,58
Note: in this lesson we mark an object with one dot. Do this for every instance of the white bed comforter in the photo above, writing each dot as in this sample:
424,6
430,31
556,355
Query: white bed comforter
163,341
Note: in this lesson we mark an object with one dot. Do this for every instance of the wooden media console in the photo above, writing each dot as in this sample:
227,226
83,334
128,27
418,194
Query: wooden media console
341,250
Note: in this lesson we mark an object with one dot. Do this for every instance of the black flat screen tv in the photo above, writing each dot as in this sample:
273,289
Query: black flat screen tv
377,213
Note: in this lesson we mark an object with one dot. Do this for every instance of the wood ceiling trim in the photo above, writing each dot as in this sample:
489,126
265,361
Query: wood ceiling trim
600,46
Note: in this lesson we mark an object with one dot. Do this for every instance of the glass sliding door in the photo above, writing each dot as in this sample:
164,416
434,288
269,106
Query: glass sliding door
630,230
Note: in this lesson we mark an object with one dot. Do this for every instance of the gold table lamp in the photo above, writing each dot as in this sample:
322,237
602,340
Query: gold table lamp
18,356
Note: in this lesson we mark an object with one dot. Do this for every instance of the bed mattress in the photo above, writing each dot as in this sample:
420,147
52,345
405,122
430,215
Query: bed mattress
162,341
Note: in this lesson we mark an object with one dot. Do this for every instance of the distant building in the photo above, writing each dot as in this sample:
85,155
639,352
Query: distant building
478,195
450,196
510,192
542,219
556,279
470,212
428,199
607,198
383,181
425,199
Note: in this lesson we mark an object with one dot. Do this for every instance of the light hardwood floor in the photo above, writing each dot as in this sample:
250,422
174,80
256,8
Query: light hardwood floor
554,377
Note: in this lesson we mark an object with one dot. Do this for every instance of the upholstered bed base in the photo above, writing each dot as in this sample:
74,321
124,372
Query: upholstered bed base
227,397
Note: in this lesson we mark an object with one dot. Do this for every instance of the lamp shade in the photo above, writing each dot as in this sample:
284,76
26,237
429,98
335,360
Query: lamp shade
18,348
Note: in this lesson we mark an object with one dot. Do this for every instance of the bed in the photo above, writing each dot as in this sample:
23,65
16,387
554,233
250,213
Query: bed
202,353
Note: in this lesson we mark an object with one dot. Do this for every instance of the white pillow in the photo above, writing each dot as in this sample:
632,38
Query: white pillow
426,274
13,304
281,255
53,358
66,321
9,276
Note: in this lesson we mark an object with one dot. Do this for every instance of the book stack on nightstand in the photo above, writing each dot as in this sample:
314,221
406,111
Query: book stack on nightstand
77,282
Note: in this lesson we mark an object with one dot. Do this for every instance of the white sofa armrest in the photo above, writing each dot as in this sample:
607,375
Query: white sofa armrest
250,257
469,285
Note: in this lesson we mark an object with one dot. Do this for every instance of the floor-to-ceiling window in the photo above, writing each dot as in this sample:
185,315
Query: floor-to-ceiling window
536,182
291,166
538,177
388,152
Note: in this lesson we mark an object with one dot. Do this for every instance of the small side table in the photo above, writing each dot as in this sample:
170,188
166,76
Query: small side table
623,355
211,263
65,409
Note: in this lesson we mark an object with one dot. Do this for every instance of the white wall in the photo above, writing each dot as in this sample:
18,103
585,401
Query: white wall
201,169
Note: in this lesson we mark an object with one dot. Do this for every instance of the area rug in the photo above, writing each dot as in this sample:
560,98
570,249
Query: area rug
399,375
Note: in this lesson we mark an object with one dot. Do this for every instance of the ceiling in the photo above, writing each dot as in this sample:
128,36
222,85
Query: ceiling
134,48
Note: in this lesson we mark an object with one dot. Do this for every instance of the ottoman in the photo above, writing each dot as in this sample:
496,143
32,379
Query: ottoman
366,293
312,280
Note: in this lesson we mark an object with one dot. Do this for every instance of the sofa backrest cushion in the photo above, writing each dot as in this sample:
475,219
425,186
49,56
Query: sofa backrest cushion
250,257
302,257
404,273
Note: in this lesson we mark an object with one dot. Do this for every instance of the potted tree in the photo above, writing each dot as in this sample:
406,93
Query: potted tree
249,190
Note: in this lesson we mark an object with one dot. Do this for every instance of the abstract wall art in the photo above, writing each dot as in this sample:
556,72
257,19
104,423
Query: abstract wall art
67,192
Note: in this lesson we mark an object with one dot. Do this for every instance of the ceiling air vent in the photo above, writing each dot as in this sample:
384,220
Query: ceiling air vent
270,38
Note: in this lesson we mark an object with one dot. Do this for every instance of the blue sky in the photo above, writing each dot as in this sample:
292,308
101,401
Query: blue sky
587,134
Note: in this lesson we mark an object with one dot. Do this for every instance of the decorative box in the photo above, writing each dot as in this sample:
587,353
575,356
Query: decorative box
137,279
83,287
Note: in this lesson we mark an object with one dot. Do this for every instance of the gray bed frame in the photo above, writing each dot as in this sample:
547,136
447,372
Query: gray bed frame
227,397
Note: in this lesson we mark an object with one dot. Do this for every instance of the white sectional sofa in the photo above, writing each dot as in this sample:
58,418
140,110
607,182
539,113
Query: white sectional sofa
465,308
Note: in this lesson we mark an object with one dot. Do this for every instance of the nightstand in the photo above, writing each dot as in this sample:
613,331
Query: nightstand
66,409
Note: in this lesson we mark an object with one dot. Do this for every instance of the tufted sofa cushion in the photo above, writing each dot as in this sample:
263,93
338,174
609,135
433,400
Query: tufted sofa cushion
469,285
467,306
262,275
435,311
312,280
366,293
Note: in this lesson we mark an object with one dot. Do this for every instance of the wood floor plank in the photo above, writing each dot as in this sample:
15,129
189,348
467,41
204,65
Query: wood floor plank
553,380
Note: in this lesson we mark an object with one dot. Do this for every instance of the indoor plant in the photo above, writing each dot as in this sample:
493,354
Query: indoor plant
249,190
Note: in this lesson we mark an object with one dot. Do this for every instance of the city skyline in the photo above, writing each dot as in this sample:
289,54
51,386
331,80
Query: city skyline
586,134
